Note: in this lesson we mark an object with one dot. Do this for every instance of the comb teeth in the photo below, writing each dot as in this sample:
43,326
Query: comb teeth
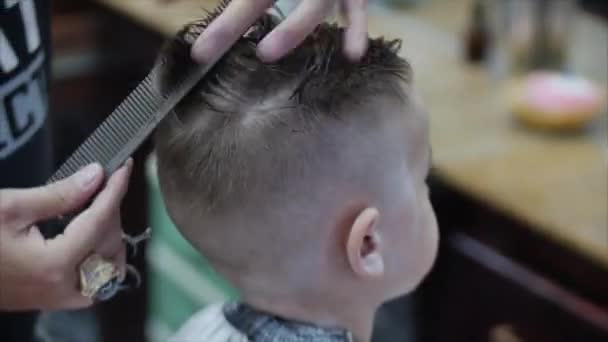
115,132
136,117
131,123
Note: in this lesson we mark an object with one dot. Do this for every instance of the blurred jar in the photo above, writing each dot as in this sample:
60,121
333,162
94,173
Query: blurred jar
529,35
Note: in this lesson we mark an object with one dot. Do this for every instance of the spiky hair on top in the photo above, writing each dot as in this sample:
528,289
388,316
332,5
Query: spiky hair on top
175,54
319,59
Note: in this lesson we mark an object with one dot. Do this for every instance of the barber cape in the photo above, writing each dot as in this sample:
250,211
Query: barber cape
235,322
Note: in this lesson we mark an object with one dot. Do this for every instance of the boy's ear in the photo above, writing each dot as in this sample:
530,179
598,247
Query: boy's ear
363,245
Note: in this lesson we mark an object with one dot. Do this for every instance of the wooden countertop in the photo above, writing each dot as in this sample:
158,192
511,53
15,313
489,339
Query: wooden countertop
556,184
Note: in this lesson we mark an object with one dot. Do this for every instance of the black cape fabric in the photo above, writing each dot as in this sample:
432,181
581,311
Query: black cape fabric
25,149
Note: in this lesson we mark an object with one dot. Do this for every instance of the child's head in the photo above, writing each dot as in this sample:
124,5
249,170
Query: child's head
305,178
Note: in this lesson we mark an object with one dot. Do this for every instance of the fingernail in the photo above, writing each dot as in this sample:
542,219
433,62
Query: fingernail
261,52
265,51
129,164
355,51
87,176
197,56
356,45
203,52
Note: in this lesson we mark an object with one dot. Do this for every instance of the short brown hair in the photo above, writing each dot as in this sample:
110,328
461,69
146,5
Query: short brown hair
251,128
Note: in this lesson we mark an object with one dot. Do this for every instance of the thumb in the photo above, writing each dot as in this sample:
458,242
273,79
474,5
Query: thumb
99,221
28,206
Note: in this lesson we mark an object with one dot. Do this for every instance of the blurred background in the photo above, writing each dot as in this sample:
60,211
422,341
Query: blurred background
516,92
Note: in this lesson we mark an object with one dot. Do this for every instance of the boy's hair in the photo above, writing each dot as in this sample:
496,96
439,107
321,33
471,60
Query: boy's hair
248,132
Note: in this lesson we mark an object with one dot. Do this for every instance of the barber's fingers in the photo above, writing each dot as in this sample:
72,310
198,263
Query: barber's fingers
101,219
20,208
110,248
111,243
294,29
120,261
226,29
75,300
356,33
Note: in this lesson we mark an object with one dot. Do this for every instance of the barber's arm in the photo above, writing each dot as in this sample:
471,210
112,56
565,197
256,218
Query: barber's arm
43,274
241,14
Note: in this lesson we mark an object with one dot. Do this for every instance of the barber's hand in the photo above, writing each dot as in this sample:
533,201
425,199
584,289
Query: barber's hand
241,14
44,274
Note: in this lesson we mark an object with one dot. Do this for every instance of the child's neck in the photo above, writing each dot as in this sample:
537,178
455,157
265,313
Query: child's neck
357,319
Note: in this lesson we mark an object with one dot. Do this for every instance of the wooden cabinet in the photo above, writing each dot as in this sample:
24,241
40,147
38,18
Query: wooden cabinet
494,282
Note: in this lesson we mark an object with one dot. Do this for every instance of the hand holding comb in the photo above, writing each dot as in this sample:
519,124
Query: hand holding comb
117,138
128,126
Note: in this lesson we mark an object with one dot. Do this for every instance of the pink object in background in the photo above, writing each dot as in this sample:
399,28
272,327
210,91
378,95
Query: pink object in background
555,100
557,94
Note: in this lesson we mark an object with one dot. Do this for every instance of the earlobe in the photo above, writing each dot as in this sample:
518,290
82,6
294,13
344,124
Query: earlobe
363,245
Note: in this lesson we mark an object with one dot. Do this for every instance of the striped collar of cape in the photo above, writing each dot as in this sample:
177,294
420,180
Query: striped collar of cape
262,327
